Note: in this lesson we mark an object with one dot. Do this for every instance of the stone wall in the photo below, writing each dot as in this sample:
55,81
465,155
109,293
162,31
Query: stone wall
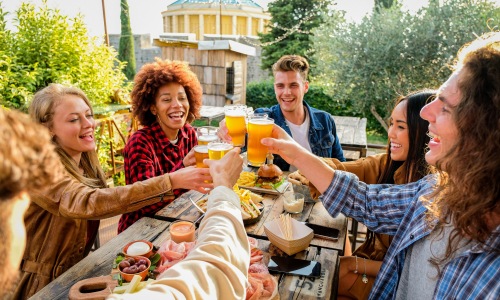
144,51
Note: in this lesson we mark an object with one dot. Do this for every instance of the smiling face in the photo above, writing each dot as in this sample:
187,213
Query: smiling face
398,133
171,108
73,126
442,127
290,88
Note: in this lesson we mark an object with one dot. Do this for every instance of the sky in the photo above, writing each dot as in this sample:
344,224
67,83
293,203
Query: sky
145,15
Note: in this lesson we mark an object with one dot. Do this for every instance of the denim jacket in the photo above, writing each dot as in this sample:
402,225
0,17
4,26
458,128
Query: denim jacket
322,133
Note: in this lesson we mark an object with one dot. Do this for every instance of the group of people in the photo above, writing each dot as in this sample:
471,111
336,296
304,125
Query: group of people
438,226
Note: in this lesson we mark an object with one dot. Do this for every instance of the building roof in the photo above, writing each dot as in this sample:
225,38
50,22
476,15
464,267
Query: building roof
225,2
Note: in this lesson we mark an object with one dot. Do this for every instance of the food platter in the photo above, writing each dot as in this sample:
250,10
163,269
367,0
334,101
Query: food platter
247,181
279,190
201,205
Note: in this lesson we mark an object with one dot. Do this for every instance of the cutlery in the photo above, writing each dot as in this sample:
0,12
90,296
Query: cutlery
196,205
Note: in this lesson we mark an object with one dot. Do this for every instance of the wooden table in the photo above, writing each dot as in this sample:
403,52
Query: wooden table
352,134
314,212
100,262
210,113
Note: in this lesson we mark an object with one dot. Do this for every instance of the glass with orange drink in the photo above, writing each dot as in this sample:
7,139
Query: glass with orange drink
216,150
235,116
259,127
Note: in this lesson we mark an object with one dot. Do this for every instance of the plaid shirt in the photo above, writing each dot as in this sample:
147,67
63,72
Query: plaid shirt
149,153
396,210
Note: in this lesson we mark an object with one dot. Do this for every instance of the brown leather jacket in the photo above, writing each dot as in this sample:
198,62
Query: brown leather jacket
56,224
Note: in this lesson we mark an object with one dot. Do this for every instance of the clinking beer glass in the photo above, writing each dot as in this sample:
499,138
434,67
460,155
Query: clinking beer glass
200,153
216,150
207,134
259,127
235,116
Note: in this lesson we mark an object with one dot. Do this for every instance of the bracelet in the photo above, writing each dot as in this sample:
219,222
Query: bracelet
365,278
356,271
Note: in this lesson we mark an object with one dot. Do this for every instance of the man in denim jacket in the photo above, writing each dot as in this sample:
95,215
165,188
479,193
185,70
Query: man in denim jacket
312,128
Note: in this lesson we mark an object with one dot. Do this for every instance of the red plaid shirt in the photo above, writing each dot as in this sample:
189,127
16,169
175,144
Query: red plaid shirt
149,153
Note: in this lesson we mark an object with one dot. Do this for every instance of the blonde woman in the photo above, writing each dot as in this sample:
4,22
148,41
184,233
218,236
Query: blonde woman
62,223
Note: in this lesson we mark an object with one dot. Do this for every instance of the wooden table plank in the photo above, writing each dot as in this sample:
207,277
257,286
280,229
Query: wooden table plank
313,212
100,262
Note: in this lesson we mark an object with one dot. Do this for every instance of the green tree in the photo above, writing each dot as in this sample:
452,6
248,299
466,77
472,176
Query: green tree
392,53
50,47
126,48
290,29
383,4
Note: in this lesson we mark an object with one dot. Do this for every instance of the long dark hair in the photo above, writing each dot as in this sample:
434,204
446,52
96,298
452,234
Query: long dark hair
415,166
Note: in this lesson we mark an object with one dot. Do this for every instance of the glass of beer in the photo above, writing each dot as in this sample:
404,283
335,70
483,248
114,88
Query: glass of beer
200,153
235,116
259,127
216,150
207,134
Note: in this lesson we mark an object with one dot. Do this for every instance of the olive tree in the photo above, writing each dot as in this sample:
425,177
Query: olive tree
393,52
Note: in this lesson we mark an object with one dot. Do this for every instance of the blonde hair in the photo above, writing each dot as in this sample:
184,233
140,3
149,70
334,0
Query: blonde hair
42,109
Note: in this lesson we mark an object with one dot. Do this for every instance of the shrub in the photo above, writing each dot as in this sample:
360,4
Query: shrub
50,47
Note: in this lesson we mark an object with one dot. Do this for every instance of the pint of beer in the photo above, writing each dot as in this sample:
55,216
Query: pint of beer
207,134
259,127
200,153
217,150
235,116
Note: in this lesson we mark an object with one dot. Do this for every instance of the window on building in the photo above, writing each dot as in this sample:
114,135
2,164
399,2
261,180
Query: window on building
255,26
194,25
210,24
180,24
227,25
241,26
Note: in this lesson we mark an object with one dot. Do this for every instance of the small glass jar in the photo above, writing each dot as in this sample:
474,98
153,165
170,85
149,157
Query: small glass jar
293,202
182,231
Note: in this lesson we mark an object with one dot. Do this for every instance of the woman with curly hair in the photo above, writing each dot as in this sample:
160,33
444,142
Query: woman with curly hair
62,221
446,226
166,97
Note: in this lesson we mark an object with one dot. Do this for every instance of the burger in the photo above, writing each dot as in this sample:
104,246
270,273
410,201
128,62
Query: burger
269,176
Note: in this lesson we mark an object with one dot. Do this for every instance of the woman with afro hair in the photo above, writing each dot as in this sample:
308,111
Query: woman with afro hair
166,98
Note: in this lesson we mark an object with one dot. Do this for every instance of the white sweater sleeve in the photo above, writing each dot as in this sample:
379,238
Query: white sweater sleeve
217,267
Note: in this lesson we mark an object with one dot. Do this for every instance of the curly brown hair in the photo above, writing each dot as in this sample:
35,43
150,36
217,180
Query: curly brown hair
470,190
28,160
152,76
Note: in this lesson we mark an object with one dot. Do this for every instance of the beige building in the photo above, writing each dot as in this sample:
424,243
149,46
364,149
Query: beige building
204,18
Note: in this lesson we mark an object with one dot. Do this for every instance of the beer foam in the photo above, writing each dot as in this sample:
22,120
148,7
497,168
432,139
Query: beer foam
261,121
207,138
201,148
221,147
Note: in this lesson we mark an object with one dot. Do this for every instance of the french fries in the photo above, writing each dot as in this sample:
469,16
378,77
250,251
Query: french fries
248,200
247,179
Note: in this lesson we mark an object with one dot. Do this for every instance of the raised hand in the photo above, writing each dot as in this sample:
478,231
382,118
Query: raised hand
192,178
226,171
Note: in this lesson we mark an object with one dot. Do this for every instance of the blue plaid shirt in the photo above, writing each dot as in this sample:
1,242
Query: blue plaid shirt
397,210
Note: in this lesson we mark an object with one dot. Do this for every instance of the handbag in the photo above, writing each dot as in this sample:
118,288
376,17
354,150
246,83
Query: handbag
374,247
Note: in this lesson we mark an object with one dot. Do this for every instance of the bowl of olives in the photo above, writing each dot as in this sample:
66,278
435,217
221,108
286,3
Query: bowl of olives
134,265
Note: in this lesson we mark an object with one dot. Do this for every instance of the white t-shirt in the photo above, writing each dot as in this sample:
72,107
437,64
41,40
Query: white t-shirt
300,133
